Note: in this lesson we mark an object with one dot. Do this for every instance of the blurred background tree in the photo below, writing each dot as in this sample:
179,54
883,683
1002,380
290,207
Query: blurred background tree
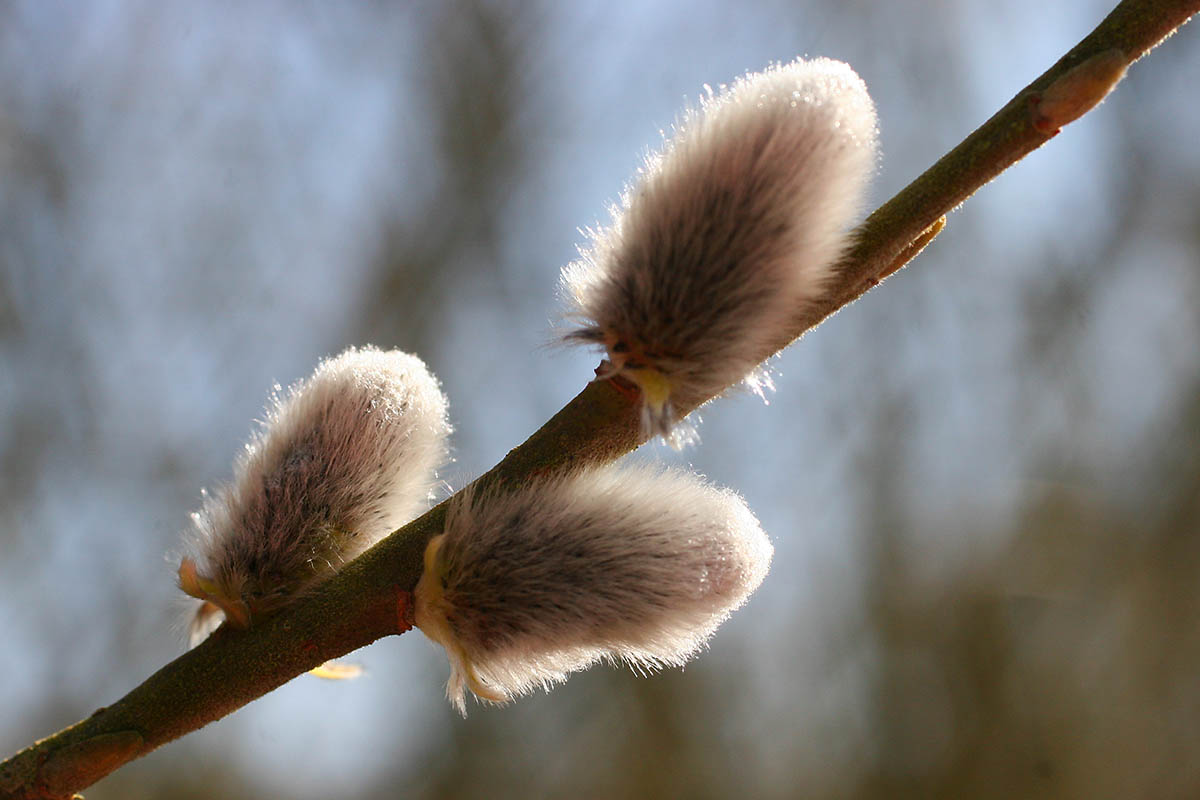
982,480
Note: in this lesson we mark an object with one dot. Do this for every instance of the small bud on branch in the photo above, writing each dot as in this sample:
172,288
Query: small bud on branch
1078,91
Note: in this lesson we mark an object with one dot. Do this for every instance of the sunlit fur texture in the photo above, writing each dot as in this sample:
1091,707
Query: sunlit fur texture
343,458
636,565
726,234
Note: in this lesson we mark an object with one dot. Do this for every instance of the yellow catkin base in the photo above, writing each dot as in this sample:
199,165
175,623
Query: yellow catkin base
236,612
430,615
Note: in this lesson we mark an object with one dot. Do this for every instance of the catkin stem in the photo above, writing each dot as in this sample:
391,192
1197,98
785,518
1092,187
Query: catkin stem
359,605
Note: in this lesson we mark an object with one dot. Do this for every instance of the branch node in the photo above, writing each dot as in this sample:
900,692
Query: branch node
86,762
404,610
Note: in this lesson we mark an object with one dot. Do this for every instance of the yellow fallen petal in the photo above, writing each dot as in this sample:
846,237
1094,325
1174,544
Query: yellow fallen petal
338,671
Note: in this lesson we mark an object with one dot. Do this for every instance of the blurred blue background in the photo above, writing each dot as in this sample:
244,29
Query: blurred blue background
981,480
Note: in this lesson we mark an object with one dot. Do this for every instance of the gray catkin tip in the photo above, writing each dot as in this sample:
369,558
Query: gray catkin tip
343,458
638,565
726,234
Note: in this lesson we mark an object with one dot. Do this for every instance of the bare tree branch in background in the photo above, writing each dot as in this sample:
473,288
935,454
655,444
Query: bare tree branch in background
478,146
367,600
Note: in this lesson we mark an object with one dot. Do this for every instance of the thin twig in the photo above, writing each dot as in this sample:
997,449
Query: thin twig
368,599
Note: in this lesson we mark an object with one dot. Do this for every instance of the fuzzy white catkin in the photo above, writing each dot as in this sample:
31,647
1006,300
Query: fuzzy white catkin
726,234
637,565
343,458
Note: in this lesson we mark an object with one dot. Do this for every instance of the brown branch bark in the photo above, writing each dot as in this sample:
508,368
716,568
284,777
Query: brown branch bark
368,599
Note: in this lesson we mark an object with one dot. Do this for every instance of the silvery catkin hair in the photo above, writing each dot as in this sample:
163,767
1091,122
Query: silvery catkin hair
344,458
637,565
726,234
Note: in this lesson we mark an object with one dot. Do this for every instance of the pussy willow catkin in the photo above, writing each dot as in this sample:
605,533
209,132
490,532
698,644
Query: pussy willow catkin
343,458
638,565
725,234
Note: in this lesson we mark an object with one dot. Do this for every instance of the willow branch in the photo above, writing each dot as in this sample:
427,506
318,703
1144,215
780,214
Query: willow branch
369,599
